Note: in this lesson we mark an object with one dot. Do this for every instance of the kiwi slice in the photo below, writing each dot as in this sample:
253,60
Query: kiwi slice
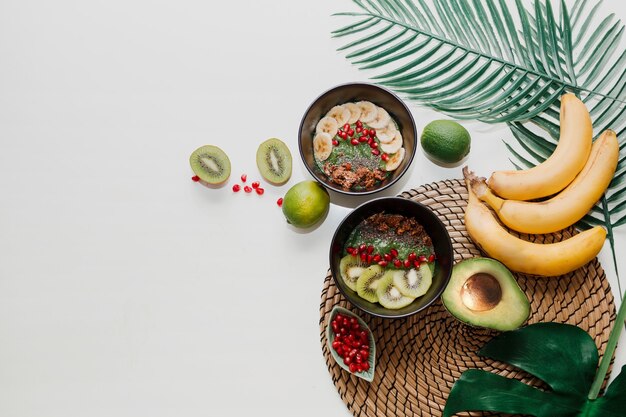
351,268
389,295
274,161
211,164
413,282
368,282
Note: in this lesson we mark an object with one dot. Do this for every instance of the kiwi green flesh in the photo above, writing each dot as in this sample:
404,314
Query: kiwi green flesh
389,295
413,282
351,269
367,283
211,164
273,159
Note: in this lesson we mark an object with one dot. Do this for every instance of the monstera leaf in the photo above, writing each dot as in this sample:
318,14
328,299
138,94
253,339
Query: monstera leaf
564,357
502,61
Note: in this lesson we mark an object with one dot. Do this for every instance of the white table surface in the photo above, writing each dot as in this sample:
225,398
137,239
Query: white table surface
125,288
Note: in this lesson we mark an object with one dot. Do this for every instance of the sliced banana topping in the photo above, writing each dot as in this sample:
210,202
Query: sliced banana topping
394,145
327,125
388,133
322,145
355,112
382,119
394,160
369,111
340,113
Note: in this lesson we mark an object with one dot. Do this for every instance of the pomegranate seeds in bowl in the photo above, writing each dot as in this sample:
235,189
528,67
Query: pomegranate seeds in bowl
351,343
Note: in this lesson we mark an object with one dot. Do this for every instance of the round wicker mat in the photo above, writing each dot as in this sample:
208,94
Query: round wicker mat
419,358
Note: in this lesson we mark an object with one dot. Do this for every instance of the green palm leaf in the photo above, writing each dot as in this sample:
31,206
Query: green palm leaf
499,61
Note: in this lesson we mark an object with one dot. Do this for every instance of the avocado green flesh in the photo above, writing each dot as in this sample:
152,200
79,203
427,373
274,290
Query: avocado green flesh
509,313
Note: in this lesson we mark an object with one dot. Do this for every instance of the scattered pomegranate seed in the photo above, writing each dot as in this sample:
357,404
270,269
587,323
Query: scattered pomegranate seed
407,263
383,263
350,249
387,257
362,247
384,157
375,152
335,142
412,256
236,188
247,189
416,264
260,191
364,256
354,141
373,144
363,139
377,258
256,184
244,177
279,202
359,123
370,258
346,127
372,132
343,135
195,178
350,132
370,249
365,132
421,259
393,252
359,129
431,258
397,263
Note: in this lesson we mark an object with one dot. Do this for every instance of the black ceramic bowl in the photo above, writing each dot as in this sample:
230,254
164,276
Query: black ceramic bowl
435,229
351,93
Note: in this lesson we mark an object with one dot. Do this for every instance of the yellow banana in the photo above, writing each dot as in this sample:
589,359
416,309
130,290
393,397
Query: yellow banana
549,259
567,207
567,160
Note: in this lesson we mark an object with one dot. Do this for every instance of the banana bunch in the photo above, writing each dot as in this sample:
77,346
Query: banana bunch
578,171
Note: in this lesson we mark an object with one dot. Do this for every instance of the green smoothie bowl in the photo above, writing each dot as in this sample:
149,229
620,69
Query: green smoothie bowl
391,257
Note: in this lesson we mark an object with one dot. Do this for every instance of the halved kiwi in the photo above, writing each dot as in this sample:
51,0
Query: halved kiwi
368,282
274,161
211,164
413,282
389,295
351,268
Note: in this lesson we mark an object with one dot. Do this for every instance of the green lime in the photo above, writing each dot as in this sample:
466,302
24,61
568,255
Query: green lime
445,141
305,204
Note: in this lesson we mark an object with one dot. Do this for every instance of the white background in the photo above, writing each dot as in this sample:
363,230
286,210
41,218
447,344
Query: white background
125,288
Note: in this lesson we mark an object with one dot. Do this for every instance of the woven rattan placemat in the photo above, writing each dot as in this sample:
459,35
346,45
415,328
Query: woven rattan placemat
419,358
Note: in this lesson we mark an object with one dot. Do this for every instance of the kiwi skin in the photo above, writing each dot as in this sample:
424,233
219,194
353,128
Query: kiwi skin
205,177
262,164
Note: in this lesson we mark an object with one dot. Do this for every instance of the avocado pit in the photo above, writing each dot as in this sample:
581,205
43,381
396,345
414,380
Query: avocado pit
481,292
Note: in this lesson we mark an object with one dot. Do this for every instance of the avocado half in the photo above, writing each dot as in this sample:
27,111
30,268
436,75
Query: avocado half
483,292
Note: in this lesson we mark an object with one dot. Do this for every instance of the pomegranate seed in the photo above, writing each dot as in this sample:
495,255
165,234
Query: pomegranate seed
354,141
359,123
346,127
363,139
393,252
359,129
397,263
244,177
358,358
335,142
364,256
348,360
374,145
363,247
279,202
256,184
431,258
412,256
353,353
339,131
353,367
260,191
236,188
370,258
421,259
384,157
195,178
387,257
247,189
375,152
370,249
366,366
336,345
407,263
383,263
377,258
370,141
350,249
343,135
365,132
350,132
372,132
416,264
